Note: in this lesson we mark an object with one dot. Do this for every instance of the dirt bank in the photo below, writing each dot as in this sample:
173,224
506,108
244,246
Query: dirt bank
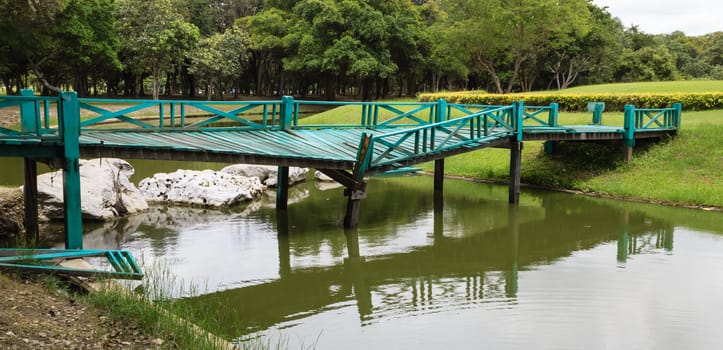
33,315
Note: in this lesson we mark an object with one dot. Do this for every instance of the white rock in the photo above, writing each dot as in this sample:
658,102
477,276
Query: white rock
319,176
205,188
266,173
106,190
323,182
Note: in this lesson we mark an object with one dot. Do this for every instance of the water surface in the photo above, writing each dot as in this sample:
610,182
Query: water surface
557,272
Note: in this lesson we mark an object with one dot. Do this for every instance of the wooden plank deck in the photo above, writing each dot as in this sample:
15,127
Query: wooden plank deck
316,148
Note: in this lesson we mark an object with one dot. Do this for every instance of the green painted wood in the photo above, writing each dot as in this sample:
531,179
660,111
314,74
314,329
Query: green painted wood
441,111
287,108
29,119
629,126
553,116
71,171
122,261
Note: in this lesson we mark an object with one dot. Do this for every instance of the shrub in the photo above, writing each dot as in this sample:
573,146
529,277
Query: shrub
578,102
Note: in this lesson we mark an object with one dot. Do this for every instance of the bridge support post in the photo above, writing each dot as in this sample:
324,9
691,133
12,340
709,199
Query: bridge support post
515,167
550,147
30,197
353,206
70,123
355,190
438,175
282,188
627,153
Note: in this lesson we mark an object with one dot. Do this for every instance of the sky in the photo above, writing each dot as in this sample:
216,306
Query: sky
693,17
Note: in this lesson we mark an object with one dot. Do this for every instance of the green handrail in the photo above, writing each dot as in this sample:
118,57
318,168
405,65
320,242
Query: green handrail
406,144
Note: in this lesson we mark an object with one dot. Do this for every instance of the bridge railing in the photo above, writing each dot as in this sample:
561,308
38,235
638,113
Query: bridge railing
407,144
540,115
373,114
650,119
38,115
170,114
658,118
531,115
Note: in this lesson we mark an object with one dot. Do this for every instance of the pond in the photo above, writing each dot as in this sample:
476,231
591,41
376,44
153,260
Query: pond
559,271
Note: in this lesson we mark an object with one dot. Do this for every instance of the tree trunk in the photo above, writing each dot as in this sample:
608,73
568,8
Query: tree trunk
515,73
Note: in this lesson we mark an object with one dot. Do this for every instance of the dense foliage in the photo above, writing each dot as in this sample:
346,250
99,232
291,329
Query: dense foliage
329,48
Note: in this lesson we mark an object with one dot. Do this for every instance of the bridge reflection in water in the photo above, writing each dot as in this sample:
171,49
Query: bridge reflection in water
453,272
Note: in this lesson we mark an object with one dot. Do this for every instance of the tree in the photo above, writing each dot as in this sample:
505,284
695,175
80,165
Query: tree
650,63
270,41
154,36
90,43
24,22
501,35
443,61
219,58
72,41
359,42
591,56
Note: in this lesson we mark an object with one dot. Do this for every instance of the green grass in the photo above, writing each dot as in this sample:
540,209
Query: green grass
687,170
682,86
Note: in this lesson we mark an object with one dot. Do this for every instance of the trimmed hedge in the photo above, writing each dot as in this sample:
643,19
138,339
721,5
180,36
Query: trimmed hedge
578,102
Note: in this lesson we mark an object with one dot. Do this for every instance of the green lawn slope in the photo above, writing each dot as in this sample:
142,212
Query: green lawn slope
683,86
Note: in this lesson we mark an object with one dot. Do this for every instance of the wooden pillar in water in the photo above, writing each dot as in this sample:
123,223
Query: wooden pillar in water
439,175
515,168
30,196
353,205
70,122
282,187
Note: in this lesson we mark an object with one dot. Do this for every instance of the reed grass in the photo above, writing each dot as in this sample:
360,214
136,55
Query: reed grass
155,306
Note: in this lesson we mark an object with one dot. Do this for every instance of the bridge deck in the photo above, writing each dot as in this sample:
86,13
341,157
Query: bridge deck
388,136
327,148
317,148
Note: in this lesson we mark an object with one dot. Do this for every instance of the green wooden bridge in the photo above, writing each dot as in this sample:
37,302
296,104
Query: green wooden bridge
389,137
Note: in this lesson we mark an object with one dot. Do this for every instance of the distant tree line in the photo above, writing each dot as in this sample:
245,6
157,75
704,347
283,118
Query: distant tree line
365,49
